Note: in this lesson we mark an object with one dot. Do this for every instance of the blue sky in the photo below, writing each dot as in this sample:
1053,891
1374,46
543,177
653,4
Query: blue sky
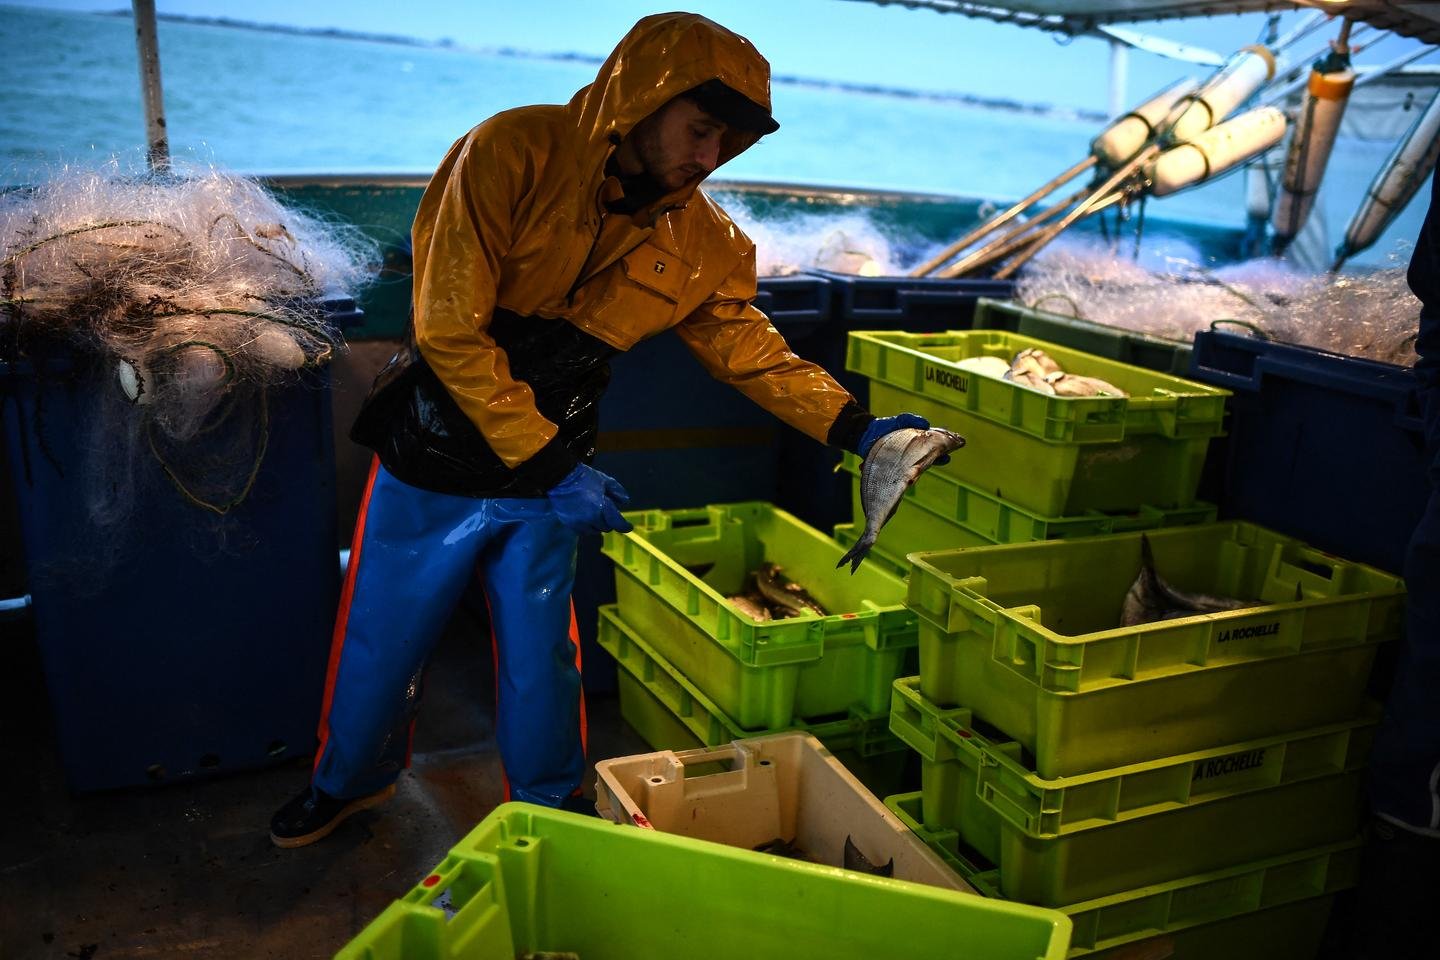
825,39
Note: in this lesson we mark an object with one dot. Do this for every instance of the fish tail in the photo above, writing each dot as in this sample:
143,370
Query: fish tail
855,554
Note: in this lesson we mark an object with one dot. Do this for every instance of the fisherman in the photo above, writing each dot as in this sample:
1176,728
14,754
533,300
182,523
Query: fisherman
550,239
1400,866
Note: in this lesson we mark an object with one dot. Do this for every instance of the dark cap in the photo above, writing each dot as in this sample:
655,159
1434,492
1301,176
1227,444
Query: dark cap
734,108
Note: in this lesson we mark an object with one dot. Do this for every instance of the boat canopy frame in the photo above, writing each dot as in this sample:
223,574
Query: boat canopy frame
1420,21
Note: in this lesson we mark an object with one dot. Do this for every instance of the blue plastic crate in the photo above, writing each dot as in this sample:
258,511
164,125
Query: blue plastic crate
911,304
795,300
1326,448
174,643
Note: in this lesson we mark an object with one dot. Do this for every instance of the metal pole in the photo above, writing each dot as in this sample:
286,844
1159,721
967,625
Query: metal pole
1119,62
1104,196
1012,239
1306,27
994,222
147,44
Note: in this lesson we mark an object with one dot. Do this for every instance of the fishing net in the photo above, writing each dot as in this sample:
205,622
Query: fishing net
189,296
1372,315
842,242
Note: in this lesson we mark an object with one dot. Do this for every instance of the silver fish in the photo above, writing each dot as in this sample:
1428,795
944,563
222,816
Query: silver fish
750,605
1031,368
785,596
1150,598
1035,360
1027,378
894,462
855,860
1074,385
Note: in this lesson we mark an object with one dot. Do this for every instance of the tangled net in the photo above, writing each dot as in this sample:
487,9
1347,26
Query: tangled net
1372,315
192,294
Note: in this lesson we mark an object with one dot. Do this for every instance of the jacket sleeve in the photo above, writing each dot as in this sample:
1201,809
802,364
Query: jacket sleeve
462,232
738,345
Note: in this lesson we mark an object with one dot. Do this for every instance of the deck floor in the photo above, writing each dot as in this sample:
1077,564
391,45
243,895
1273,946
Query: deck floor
188,871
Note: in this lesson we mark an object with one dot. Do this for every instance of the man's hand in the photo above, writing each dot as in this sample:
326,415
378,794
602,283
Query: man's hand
883,425
589,501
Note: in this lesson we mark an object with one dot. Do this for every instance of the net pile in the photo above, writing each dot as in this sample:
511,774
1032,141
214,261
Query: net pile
192,294
1372,315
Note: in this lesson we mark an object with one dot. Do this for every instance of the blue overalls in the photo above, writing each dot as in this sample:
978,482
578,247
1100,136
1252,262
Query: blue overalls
413,553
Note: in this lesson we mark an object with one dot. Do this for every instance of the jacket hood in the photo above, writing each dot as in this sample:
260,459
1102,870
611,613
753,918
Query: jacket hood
660,58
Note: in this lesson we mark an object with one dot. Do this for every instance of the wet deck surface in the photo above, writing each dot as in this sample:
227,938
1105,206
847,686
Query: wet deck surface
187,870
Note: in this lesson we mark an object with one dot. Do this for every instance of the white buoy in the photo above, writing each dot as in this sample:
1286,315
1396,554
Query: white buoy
1244,73
1395,183
1215,150
276,347
1123,139
1310,145
134,381
199,371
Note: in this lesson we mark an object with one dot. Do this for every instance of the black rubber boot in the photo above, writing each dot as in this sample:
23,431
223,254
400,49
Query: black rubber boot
314,814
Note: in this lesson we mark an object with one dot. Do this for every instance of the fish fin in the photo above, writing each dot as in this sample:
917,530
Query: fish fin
855,860
855,554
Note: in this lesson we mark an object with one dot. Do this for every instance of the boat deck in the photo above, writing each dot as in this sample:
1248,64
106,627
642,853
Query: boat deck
188,871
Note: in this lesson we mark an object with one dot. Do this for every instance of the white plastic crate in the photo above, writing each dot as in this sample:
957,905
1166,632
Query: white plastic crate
784,787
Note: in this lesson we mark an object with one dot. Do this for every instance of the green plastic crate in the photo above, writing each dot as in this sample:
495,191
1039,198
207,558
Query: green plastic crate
1077,838
1056,456
1113,343
941,513
531,879
675,570
671,713
1027,636
1186,912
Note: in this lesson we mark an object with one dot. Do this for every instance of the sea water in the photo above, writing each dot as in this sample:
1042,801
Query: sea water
266,102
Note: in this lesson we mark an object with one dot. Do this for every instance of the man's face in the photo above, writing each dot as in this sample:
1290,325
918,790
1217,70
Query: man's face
677,144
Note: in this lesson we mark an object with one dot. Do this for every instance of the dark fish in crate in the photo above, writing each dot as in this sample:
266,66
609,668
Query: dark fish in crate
783,848
1150,598
857,861
785,595
751,605
894,462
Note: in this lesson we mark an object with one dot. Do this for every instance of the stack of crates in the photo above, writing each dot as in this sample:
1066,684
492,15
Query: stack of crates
1036,466
1196,778
695,671
1174,777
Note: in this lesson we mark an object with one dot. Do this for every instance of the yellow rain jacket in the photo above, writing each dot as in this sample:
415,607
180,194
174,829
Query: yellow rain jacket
515,224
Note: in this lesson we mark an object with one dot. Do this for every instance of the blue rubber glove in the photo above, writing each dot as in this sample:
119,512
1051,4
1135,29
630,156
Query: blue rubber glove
588,501
883,425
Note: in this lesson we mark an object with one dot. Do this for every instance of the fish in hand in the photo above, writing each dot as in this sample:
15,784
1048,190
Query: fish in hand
894,462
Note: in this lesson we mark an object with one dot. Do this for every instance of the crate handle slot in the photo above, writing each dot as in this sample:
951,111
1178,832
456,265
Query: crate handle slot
724,754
